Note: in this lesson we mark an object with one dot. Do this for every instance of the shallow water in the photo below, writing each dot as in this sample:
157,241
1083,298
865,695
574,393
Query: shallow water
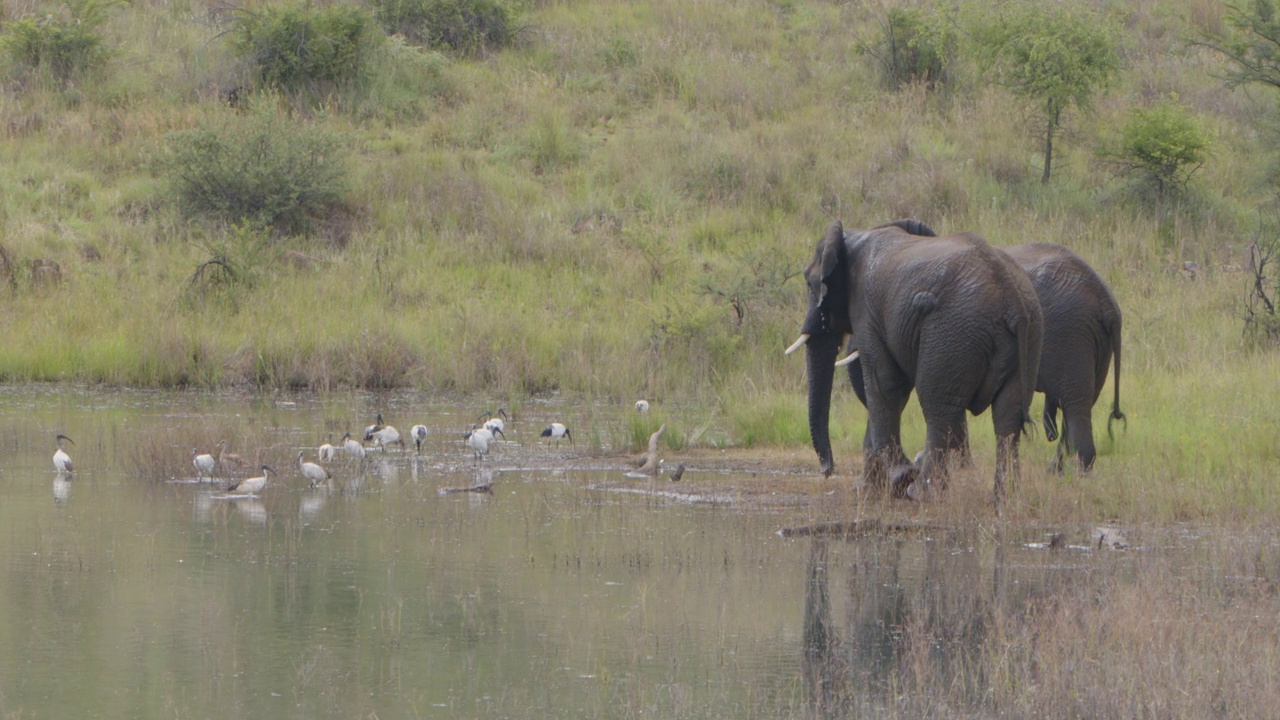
130,590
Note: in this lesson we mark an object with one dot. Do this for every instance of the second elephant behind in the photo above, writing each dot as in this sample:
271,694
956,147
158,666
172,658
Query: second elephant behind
1081,335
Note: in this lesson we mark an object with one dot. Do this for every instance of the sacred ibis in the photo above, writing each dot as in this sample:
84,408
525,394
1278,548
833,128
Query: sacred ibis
61,460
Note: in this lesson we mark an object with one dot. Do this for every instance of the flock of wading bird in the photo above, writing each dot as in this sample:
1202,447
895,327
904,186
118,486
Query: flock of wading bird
480,438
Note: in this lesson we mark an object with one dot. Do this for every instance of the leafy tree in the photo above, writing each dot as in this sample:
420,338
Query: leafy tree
914,47
1163,144
1055,57
1253,45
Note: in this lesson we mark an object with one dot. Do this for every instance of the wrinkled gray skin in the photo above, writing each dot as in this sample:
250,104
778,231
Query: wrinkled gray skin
951,317
1081,332
1082,325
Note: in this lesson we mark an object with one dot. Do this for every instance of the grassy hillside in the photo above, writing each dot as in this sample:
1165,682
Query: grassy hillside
618,204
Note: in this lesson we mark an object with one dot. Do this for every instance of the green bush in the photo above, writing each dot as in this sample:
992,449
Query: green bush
913,48
64,45
1163,145
258,170
304,48
465,26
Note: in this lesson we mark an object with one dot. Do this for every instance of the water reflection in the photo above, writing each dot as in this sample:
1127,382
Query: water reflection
61,489
557,594
910,609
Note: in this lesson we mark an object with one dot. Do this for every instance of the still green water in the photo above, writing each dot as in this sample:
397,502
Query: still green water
129,590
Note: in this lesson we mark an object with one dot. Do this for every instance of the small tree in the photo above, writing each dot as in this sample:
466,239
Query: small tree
1053,57
1253,45
913,48
1163,145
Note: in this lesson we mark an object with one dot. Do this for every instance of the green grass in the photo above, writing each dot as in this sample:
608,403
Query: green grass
618,206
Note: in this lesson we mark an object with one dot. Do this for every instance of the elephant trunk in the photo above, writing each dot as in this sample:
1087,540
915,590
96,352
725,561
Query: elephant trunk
822,351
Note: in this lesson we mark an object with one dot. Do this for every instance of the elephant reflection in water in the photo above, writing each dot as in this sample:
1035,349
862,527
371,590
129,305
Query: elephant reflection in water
916,616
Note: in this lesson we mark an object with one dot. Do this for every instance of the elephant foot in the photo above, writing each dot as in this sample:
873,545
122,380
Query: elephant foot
904,479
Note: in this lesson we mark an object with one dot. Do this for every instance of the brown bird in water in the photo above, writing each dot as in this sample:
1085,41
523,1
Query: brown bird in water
649,466
677,473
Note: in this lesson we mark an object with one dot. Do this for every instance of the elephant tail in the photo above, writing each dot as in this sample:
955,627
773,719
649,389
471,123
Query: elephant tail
1116,414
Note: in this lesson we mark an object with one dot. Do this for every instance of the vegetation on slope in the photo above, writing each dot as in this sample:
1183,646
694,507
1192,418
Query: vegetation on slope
612,199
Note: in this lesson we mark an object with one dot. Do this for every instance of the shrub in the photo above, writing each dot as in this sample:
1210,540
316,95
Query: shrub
64,45
913,49
259,170
1163,145
465,26
305,48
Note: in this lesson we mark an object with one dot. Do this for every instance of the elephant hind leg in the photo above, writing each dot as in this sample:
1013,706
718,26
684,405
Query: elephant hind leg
1008,413
1079,435
1050,418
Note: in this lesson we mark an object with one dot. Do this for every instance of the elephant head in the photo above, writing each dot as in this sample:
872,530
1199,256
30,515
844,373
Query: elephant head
826,325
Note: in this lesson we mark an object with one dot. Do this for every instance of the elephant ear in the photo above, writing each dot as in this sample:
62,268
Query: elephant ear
832,251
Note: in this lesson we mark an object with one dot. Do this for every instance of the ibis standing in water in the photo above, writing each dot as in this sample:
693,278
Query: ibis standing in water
351,447
557,431
496,423
327,452
206,463
419,435
61,460
479,439
383,435
253,485
312,472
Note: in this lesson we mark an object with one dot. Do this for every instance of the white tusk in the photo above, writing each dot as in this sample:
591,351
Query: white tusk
852,356
804,338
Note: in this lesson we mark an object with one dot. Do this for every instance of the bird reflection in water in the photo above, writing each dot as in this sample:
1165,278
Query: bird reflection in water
61,489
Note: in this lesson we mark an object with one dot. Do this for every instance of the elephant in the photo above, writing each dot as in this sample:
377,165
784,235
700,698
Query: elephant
950,317
1081,333
1082,323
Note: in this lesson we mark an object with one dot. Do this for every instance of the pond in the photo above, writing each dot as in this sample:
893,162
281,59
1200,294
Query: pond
129,589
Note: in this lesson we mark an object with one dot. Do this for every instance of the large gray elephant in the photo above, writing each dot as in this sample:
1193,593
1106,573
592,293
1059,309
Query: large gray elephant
951,317
1082,324
1081,333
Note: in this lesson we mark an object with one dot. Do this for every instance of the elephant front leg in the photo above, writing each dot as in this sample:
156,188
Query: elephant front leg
883,441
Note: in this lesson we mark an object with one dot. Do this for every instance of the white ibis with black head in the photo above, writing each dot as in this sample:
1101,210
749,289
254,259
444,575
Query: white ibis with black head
314,473
61,460
253,485
495,423
480,439
419,434
642,406
383,435
327,452
556,431
206,463
352,447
